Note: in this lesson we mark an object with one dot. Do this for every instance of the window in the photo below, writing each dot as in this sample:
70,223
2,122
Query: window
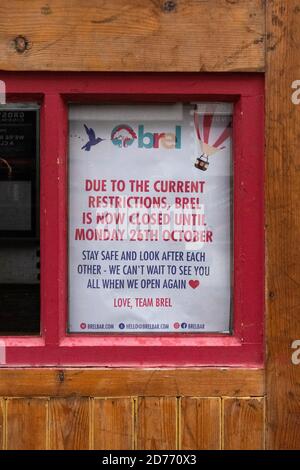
19,219
160,177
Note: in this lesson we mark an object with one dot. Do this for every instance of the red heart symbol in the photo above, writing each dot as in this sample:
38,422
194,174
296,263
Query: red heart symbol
194,283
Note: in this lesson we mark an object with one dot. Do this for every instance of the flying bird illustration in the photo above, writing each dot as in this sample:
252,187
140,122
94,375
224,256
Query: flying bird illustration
92,139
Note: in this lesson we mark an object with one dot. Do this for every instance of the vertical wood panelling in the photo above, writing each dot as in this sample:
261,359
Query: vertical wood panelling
156,423
27,424
2,418
283,223
243,426
76,418
117,424
69,423
200,423
113,423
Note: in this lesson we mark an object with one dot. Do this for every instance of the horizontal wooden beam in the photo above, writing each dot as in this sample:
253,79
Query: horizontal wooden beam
132,382
132,35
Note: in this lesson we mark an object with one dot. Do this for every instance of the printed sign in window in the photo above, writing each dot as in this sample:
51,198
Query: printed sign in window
150,223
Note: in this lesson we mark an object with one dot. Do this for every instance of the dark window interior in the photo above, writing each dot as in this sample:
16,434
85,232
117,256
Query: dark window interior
19,220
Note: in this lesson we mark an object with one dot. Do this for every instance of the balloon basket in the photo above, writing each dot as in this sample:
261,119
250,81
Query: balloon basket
202,163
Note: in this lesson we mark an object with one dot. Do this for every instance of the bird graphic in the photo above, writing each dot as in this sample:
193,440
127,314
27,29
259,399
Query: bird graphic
92,139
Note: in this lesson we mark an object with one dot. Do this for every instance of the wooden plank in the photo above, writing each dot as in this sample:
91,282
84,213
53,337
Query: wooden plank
132,35
27,424
283,223
113,423
243,425
156,423
69,423
200,423
2,419
132,382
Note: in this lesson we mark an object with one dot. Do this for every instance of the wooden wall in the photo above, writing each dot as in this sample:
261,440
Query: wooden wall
159,423
175,409
283,223
132,35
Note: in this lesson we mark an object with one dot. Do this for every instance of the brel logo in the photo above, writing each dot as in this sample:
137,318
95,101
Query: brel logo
123,136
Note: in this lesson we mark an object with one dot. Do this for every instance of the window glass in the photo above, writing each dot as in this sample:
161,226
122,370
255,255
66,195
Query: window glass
19,220
150,218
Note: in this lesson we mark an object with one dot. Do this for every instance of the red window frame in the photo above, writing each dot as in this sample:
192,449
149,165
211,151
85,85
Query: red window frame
244,347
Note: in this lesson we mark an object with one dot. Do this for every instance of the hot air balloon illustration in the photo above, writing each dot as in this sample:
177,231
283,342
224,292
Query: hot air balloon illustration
206,147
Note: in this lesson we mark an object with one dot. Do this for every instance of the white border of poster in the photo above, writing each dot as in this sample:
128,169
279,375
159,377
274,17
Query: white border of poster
150,222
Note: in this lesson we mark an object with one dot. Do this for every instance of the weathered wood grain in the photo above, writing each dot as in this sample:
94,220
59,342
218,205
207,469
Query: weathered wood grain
69,423
156,423
243,425
283,223
2,418
113,424
132,382
132,35
27,424
200,424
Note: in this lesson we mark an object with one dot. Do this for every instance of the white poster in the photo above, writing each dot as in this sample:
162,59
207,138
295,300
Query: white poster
150,218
